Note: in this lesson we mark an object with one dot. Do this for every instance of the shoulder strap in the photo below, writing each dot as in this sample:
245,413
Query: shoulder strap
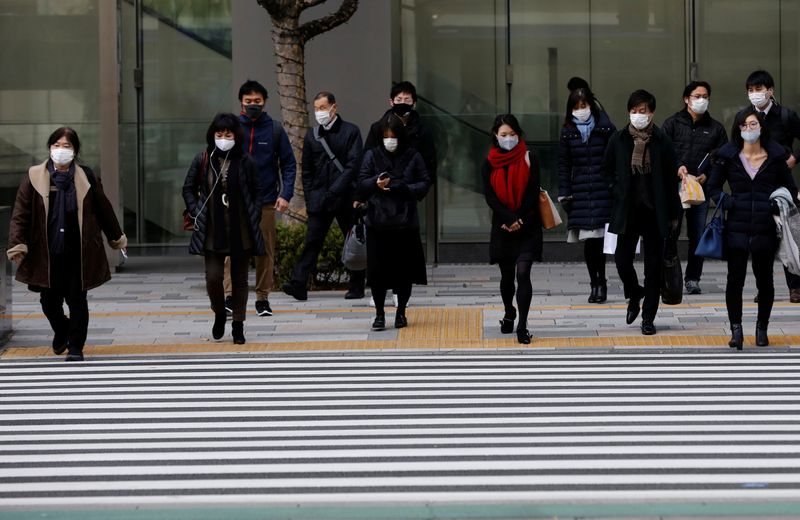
784,116
321,140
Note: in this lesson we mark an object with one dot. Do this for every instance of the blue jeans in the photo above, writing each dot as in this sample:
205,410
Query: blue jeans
695,224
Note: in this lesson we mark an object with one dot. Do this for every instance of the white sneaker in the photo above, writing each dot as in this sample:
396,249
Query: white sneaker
394,299
371,301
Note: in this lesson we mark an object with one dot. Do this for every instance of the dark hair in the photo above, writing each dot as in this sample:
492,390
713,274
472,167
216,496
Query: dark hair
688,89
576,82
575,97
70,134
225,121
250,86
505,119
403,86
327,95
759,77
395,124
736,132
640,96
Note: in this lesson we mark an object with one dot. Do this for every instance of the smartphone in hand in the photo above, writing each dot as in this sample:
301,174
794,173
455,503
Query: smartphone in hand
382,176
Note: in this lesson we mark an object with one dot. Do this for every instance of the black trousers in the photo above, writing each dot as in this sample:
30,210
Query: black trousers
792,280
641,222
66,285
763,262
318,225
215,269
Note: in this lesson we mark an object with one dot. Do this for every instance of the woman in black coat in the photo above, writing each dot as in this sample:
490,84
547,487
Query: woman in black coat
582,189
754,167
220,192
511,186
393,178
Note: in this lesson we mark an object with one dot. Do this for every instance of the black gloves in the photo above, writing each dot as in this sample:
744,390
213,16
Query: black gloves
566,204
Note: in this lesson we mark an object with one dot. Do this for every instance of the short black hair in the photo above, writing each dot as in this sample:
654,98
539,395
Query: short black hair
688,89
403,86
327,95
250,86
576,96
505,119
225,121
640,96
759,77
395,124
70,134
576,82
736,132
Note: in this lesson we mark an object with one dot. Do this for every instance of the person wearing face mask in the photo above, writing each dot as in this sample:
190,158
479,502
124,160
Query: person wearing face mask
784,127
328,184
640,172
266,142
511,182
55,238
695,135
754,166
392,179
221,195
581,190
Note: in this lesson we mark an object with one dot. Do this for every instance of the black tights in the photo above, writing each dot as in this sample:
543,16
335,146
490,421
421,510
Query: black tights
522,272
595,260
403,295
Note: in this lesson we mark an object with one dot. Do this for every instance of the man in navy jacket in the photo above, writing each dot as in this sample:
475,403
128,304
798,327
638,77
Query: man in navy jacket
266,142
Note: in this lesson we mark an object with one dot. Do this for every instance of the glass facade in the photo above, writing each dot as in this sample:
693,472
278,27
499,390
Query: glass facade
473,60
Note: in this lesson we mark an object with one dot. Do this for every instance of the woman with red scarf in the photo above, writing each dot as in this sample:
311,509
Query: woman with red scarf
511,185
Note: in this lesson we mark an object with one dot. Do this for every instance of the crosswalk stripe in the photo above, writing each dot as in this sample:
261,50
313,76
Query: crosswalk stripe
382,429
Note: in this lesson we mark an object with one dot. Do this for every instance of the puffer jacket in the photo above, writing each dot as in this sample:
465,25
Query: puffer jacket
749,224
581,169
195,194
692,141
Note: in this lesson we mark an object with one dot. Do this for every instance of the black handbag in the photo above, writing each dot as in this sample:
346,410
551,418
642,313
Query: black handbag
354,252
712,241
671,274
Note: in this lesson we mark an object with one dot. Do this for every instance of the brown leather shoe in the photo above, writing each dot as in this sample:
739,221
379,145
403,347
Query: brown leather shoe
794,295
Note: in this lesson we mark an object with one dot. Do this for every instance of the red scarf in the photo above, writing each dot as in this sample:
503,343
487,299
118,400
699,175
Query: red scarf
510,185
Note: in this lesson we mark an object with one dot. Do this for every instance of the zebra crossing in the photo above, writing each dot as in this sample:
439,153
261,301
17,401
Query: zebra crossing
388,431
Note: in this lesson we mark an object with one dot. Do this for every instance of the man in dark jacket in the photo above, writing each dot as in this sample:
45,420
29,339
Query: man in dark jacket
695,135
329,176
640,171
266,142
784,128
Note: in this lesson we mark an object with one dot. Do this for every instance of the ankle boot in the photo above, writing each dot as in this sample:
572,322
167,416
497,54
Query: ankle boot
602,292
237,331
761,334
737,336
593,294
507,323
219,325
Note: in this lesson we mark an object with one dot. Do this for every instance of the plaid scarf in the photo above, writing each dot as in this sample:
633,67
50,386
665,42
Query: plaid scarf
640,159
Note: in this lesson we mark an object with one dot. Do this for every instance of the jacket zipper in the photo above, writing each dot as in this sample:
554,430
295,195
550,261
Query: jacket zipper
252,132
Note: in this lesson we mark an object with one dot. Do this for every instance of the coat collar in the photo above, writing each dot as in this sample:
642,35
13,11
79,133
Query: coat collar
40,180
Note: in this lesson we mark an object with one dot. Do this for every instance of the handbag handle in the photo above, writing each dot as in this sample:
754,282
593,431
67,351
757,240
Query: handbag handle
719,204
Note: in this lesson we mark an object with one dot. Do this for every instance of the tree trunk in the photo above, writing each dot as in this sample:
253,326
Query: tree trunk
290,66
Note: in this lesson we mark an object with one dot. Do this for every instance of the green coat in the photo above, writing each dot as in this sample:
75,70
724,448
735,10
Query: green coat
664,171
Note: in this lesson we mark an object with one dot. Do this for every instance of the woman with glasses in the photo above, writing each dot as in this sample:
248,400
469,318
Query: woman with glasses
694,134
753,167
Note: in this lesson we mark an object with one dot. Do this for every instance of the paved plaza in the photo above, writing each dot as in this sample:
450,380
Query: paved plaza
157,306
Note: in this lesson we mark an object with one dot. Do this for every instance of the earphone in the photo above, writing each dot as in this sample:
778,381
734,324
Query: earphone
217,177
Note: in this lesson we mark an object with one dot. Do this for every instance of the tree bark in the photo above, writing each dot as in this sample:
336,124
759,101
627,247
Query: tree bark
289,40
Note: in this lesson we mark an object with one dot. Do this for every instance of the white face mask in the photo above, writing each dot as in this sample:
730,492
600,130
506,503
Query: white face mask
224,144
640,121
699,106
390,143
508,142
323,117
62,156
751,136
582,114
758,99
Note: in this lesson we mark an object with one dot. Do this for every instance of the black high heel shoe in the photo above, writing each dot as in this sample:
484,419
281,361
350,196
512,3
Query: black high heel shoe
507,323
737,336
523,336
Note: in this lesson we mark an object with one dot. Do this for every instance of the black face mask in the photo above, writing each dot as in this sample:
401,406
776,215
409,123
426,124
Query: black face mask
253,111
402,109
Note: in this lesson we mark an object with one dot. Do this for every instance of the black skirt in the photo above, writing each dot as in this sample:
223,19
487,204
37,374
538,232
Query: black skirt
524,245
395,258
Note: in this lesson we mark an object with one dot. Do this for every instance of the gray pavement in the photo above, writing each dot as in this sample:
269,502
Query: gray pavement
151,304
